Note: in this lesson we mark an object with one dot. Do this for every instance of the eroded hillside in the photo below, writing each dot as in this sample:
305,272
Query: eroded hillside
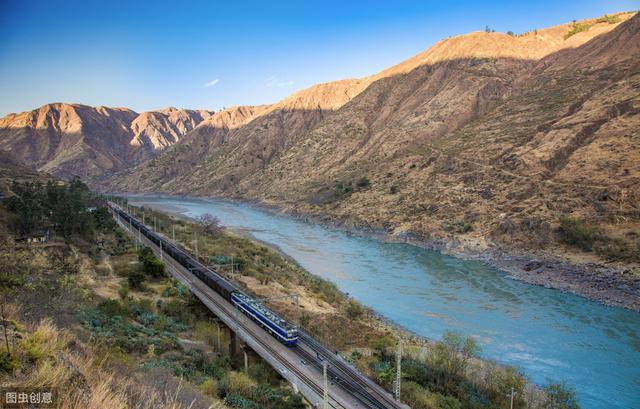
71,139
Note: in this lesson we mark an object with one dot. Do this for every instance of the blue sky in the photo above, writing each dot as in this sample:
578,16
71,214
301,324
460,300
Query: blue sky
205,54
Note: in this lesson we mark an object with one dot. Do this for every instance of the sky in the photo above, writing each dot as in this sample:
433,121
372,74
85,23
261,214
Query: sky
207,54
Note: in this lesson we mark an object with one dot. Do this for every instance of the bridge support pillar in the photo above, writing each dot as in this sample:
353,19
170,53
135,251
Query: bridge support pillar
233,344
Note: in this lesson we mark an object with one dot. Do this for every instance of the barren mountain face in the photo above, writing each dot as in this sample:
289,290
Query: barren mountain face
71,139
484,140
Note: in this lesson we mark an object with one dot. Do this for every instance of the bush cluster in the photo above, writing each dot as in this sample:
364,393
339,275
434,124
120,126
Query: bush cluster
64,208
577,233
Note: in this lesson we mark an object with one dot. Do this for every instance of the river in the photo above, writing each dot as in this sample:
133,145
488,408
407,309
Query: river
548,333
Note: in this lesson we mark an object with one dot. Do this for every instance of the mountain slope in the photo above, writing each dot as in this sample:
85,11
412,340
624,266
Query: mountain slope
73,139
428,96
480,144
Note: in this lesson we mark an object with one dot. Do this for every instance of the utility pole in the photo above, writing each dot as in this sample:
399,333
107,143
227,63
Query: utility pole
246,360
398,370
143,217
325,384
155,224
219,345
173,228
512,394
195,236
135,243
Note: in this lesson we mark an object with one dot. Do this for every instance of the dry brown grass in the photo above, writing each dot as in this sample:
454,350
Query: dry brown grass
241,383
56,360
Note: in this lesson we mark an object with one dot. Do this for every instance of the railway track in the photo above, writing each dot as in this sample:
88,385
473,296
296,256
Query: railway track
357,383
309,350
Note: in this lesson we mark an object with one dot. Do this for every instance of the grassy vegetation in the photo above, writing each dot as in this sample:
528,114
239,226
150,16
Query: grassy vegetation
586,25
143,340
587,237
448,374
575,232
341,189
457,227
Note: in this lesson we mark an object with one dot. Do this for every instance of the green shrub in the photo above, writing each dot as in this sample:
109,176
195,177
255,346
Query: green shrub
177,309
123,291
210,387
575,232
608,19
240,383
363,182
135,279
615,249
111,308
206,332
151,266
343,188
235,400
354,310
8,361
577,28
457,227
560,396
381,344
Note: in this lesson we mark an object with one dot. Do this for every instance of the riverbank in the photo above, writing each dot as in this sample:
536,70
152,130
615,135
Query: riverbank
610,284
540,330
360,334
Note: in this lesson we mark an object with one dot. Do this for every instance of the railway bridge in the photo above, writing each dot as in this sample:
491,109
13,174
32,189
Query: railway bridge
302,365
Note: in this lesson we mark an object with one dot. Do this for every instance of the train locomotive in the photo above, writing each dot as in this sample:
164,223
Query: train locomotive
278,327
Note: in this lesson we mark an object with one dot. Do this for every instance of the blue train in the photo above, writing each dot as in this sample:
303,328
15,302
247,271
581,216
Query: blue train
267,319
273,324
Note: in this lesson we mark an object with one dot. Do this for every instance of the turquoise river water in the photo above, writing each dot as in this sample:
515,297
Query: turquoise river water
547,333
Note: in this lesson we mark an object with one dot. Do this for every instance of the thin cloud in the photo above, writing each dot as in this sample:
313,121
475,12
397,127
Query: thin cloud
274,81
212,83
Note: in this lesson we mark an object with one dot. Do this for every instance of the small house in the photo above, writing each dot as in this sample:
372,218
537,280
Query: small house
36,236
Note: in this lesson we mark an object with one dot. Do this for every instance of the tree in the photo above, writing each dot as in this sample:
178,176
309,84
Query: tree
380,345
150,264
208,223
450,358
560,396
103,219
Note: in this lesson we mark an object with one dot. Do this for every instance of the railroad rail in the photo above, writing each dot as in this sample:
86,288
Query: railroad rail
301,365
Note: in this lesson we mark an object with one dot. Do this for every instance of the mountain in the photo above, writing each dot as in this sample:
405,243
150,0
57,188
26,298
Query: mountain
161,129
482,142
72,139
295,150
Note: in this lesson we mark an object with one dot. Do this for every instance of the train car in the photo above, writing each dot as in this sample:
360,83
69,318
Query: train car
273,324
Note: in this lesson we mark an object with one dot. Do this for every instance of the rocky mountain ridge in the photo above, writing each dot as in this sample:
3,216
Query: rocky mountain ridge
74,139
